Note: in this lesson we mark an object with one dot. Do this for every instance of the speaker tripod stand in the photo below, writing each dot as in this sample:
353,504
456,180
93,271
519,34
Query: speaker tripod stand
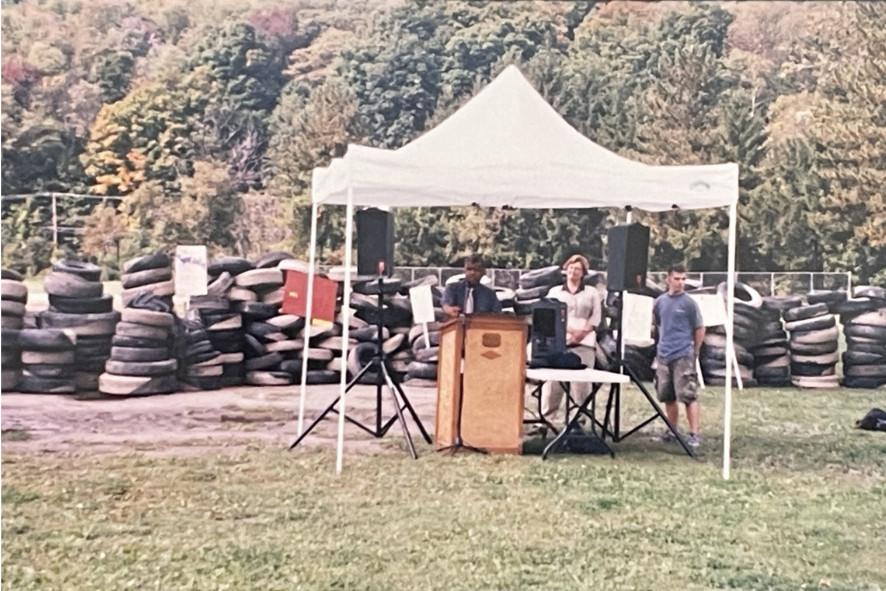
380,365
612,419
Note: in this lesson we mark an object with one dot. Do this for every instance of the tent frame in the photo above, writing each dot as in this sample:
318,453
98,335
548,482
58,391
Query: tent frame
377,175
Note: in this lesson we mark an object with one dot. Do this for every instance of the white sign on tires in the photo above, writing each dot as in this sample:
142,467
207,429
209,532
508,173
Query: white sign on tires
190,270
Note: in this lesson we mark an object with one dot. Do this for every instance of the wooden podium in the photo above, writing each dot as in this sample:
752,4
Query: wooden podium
490,382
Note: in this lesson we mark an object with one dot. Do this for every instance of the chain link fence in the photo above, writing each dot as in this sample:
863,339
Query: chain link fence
774,283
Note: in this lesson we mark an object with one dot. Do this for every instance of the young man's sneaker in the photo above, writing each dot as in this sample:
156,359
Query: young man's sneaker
667,437
694,440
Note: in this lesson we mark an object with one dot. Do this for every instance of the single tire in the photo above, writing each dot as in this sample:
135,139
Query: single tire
241,294
12,322
545,276
292,367
87,271
825,382
856,306
36,385
532,293
257,310
877,333
863,382
815,336
141,368
821,348
12,308
139,354
823,359
82,324
268,378
223,321
13,290
427,371
743,293
829,298
142,331
287,322
322,376
147,317
264,362
360,356
271,259
117,385
148,261
336,344
220,285
815,323
208,303
231,358
204,371
429,355
232,265
146,277
870,291
257,279
119,340
273,298
163,288
863,357
10,274
872,318
72,286
782,303
98,305
41,339
866,371
804,312
50,370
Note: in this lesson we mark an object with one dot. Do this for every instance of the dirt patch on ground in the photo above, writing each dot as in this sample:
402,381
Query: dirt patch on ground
186,423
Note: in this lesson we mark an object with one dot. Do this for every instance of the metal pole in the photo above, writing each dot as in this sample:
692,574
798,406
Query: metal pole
54,221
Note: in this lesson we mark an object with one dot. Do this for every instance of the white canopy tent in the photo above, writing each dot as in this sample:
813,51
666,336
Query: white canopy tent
508,147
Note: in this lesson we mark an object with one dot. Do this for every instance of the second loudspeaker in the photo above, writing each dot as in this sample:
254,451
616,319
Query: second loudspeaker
375,242
628,257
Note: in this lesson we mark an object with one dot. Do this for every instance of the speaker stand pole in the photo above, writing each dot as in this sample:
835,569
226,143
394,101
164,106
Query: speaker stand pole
381,364
613,405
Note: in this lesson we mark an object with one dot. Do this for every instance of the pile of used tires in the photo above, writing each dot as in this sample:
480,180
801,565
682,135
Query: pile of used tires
13,300
864,327
142,357
77,303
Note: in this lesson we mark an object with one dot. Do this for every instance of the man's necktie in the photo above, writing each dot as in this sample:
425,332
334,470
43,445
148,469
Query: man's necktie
469,301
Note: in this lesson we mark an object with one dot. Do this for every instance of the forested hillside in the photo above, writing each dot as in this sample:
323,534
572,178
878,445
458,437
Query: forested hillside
200,122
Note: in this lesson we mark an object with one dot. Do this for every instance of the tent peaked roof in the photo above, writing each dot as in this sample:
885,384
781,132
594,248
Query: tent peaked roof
508,147
508,122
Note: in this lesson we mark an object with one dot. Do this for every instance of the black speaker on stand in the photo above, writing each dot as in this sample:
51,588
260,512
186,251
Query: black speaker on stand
375,242
628,257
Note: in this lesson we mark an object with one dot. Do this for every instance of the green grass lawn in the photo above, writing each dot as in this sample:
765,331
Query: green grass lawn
804,509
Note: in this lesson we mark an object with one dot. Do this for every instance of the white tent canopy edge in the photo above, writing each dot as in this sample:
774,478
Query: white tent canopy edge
508,147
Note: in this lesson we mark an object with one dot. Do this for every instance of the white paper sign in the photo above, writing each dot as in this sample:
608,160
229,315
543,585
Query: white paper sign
422,304
637,318
712,307
190,270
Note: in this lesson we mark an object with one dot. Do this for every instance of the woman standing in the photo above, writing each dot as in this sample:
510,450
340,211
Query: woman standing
583,315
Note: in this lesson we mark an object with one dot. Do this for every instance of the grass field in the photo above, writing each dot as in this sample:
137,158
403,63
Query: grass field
804,509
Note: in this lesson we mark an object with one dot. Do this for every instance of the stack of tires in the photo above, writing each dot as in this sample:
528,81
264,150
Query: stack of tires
864,326
746,324
422,370
268,345
150,273
48,361
534,285
77,302
142,360
223,328
772,357
223,323
200,365
14,296
393,312
814,342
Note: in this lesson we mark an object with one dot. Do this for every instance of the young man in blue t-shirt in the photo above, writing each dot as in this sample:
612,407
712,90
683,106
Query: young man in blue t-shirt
680,334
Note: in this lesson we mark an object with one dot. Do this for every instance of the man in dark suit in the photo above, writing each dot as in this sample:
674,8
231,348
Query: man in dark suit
469,296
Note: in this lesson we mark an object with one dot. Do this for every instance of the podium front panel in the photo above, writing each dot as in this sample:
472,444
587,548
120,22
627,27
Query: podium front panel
448,383
493,383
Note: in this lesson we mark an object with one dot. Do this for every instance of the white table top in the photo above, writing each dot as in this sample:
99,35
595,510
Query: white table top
597,376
